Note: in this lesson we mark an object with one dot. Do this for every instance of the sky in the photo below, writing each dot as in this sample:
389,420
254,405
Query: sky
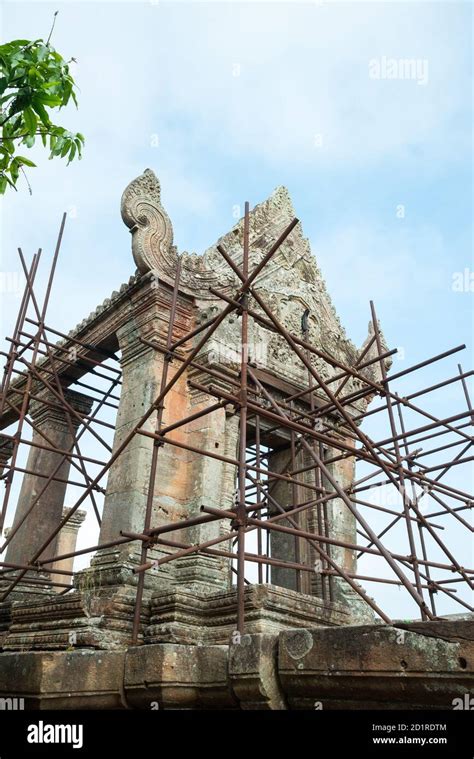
225,101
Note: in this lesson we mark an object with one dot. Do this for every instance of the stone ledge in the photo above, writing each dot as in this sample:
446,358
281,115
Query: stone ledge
253,665
74,621
170,676
373,667
64,680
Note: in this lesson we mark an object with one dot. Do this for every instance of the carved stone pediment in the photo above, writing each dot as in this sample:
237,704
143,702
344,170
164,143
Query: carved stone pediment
291,283
150,225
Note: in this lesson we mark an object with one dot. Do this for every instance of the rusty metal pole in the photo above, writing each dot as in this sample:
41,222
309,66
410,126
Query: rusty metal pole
23,310
389,461
387,555
35,348
5,387
72,432
258,463
420,525
394,431
241,510
294,498
321,509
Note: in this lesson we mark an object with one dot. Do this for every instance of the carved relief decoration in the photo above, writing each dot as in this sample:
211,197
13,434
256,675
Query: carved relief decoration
150,225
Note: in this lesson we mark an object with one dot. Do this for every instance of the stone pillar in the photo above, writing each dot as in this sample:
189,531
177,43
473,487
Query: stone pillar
213,485
342,523
128,483
284,546
185,480
66,543
51,419
6,450
342,526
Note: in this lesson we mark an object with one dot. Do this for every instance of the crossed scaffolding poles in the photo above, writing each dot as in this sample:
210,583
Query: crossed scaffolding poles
309,431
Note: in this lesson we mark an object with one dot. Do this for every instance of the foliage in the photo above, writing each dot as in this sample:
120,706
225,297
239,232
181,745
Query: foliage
34,81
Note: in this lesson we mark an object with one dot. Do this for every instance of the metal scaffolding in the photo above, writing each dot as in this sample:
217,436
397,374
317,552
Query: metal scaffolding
327,430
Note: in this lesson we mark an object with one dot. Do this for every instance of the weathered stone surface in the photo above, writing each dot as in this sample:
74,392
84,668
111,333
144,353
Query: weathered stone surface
186,617
150,225
68,680
372,667
169,676
59,426
66,543
79,620
326,668
457,630
253,674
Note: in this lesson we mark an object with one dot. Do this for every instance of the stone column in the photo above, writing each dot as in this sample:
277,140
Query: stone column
342,526
283,546
52,420
342,523
66,543
184,481
213,485
129,477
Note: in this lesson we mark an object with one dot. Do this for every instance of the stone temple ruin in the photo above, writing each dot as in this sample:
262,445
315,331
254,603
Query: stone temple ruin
231,519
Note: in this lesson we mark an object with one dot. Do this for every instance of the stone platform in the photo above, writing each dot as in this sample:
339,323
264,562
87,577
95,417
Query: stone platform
407,666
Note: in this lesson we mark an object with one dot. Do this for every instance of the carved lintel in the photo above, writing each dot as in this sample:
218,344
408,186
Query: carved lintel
149,224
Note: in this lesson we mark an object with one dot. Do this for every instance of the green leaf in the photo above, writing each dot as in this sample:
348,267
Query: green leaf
51,100
31,121
22,161
41,111
16,59
29,141
9,145
22,100
58,146
72,153
10,181
14,170
14,44
34,77
43,53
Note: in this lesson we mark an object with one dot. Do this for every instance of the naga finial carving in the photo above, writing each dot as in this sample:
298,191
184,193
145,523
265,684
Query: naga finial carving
150,225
